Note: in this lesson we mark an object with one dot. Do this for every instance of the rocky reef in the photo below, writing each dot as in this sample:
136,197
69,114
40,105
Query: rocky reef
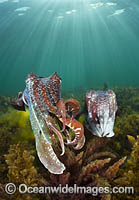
102,162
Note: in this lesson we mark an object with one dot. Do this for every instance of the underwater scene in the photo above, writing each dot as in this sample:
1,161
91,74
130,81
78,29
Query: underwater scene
69,99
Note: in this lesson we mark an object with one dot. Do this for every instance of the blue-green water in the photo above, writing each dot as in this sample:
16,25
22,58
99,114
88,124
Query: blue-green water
86,42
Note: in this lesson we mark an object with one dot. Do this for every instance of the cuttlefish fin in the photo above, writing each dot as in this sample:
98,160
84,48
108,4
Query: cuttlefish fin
55,77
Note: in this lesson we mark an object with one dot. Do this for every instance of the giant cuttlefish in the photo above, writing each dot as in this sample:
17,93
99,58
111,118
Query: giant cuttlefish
43,98
101,110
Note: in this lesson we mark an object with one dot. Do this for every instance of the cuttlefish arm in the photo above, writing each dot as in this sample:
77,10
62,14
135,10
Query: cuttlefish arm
78,129
52,126
79,144
72,107
61,112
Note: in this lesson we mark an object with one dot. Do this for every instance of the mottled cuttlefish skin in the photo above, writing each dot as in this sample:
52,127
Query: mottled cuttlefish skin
38,102
43,97
101,107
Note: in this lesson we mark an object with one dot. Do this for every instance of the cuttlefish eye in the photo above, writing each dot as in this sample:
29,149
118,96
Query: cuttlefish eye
20,94
18,105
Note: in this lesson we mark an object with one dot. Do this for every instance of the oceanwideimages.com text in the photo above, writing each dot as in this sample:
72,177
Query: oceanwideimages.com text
11,188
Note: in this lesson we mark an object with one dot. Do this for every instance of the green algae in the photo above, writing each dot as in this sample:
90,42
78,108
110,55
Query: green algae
17,124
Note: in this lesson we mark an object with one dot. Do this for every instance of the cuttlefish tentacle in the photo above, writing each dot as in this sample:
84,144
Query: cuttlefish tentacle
80,143
52,127
78,129
61,112
72,106
43,97
68,136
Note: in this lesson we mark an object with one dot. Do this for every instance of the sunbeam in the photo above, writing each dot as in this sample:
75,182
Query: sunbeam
87,42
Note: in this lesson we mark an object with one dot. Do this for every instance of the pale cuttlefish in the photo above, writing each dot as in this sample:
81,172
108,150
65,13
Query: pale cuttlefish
101,107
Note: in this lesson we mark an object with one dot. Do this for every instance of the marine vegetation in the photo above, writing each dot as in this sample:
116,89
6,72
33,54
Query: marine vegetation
96,164
128,124
20,161
93,167
128,99
4,103
129,176
127,120
14,127
125,124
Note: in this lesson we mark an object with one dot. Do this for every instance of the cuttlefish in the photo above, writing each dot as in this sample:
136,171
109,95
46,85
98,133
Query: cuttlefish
100,115
43,98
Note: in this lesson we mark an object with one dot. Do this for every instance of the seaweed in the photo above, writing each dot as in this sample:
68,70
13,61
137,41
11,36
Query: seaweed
4,103
128,124
125,125
127,99
21,169
98,171
14,127
16,124
129,176
94,167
